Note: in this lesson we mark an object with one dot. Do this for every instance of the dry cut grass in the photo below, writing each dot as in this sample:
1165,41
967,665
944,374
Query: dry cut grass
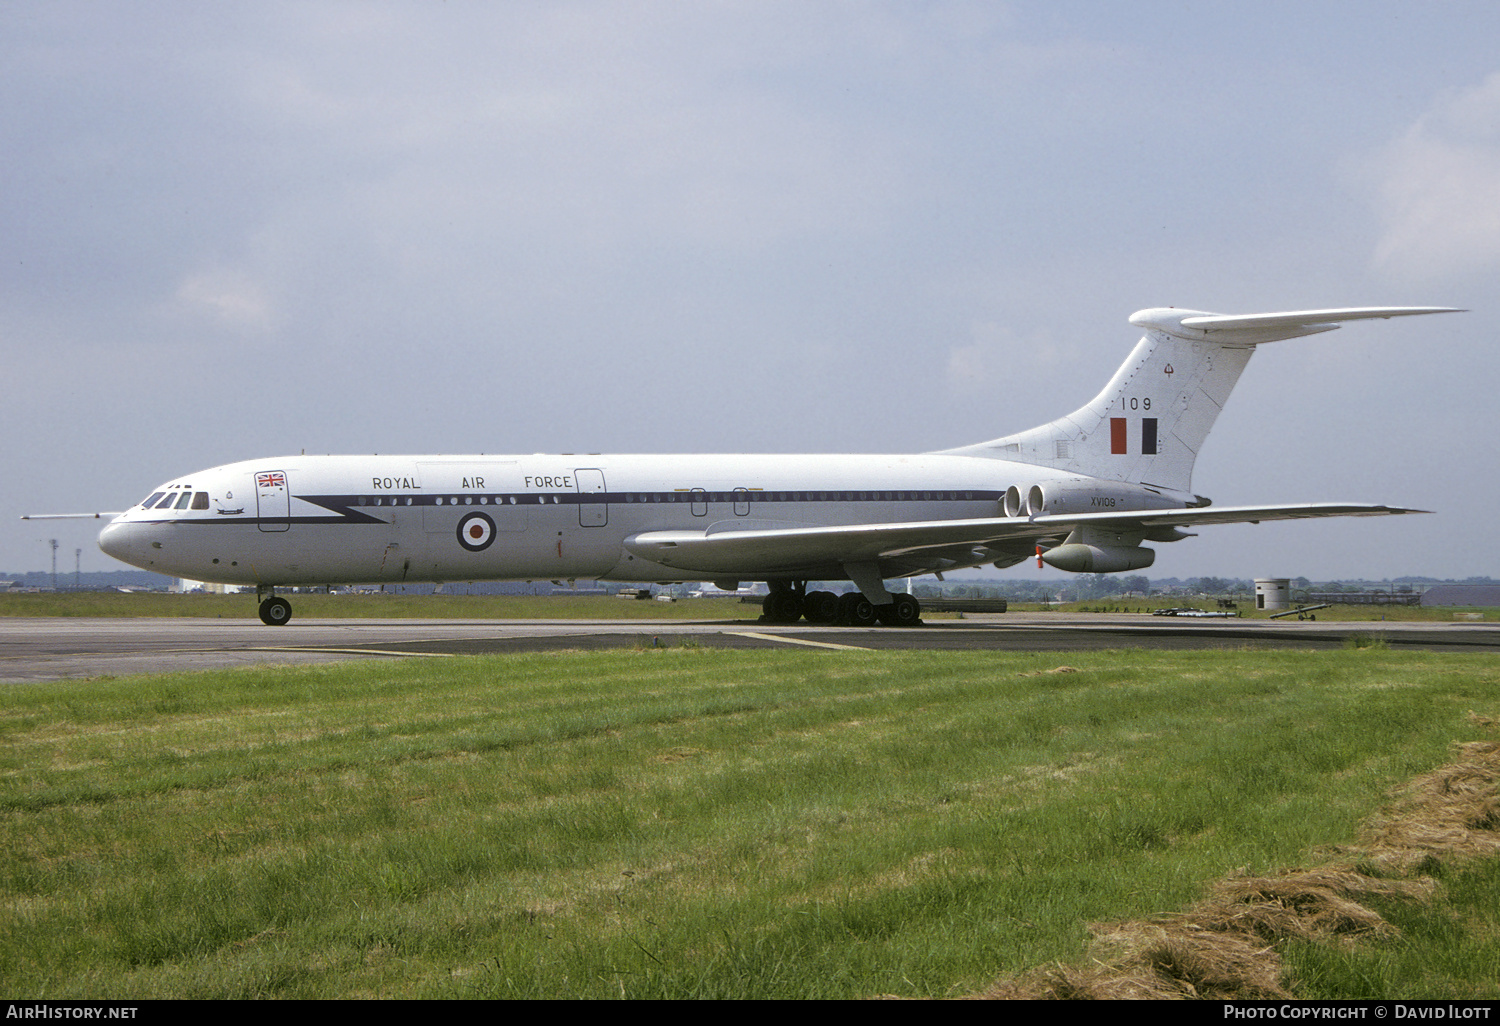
1225,947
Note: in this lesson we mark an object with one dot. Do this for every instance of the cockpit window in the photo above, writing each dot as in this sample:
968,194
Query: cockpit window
164,503
150,500
200,500
183,500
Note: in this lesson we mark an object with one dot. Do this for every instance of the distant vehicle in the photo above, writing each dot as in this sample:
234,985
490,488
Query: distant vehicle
1082,493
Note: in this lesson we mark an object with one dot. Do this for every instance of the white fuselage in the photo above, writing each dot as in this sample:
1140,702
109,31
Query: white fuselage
1082,492
381,519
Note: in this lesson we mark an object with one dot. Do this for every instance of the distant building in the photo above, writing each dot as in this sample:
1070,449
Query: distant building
1462,595
1367,598
1273,592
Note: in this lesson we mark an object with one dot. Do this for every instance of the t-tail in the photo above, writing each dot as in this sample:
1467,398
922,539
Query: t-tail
1148,424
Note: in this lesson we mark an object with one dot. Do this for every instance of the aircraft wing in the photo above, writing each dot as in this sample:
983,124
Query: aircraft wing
730,548
1230,515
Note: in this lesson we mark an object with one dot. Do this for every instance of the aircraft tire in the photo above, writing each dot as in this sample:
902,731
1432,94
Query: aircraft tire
857,611
781,607
821,607
904,611
275,611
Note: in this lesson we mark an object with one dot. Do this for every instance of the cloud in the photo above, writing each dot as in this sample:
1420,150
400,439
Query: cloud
1439,188
1001,359
226,299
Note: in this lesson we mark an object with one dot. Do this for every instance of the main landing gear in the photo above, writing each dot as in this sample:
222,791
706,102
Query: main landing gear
275,611
788,603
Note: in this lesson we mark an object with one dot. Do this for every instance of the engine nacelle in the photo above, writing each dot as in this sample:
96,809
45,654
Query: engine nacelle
1079,558
1089,495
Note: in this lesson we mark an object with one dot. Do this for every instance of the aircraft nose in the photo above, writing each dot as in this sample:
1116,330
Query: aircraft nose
120,541
111,541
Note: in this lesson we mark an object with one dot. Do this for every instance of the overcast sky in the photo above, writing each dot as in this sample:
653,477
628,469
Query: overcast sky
238,230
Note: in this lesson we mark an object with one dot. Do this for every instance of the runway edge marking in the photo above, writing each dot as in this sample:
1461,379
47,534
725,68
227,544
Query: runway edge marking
346,651
797,641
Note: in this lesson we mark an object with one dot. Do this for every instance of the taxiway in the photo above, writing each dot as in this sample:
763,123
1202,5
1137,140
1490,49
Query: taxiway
49,649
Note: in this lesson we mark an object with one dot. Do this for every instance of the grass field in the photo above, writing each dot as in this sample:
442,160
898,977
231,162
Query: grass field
702,823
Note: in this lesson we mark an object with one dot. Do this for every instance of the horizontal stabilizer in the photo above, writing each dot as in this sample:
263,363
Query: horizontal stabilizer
1252,329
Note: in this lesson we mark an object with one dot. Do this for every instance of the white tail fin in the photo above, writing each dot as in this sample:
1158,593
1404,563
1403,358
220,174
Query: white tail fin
1149,422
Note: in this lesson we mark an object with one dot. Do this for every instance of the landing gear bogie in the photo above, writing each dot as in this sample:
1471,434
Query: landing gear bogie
781,606
857,611
821,607
904,611
789,602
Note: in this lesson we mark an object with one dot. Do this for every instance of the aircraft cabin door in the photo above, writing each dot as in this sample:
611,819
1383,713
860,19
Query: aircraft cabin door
273,501
593,509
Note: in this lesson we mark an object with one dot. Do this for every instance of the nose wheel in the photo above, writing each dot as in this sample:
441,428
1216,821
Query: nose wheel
275,611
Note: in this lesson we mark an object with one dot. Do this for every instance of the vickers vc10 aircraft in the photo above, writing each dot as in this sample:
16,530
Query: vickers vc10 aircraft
1082,493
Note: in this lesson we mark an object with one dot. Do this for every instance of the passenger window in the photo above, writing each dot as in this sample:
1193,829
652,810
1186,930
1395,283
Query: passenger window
200,500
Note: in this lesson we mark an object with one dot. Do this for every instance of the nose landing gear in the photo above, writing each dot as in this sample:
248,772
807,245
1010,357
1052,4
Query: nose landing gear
275,611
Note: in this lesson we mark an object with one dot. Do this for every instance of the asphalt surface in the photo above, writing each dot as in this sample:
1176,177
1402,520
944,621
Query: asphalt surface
49,649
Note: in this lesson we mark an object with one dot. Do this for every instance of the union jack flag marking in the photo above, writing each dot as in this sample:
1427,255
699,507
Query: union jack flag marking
270,480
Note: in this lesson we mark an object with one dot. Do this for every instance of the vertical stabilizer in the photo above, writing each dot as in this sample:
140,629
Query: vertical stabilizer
1149,423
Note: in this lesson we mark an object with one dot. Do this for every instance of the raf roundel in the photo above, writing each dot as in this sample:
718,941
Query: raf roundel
475,532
